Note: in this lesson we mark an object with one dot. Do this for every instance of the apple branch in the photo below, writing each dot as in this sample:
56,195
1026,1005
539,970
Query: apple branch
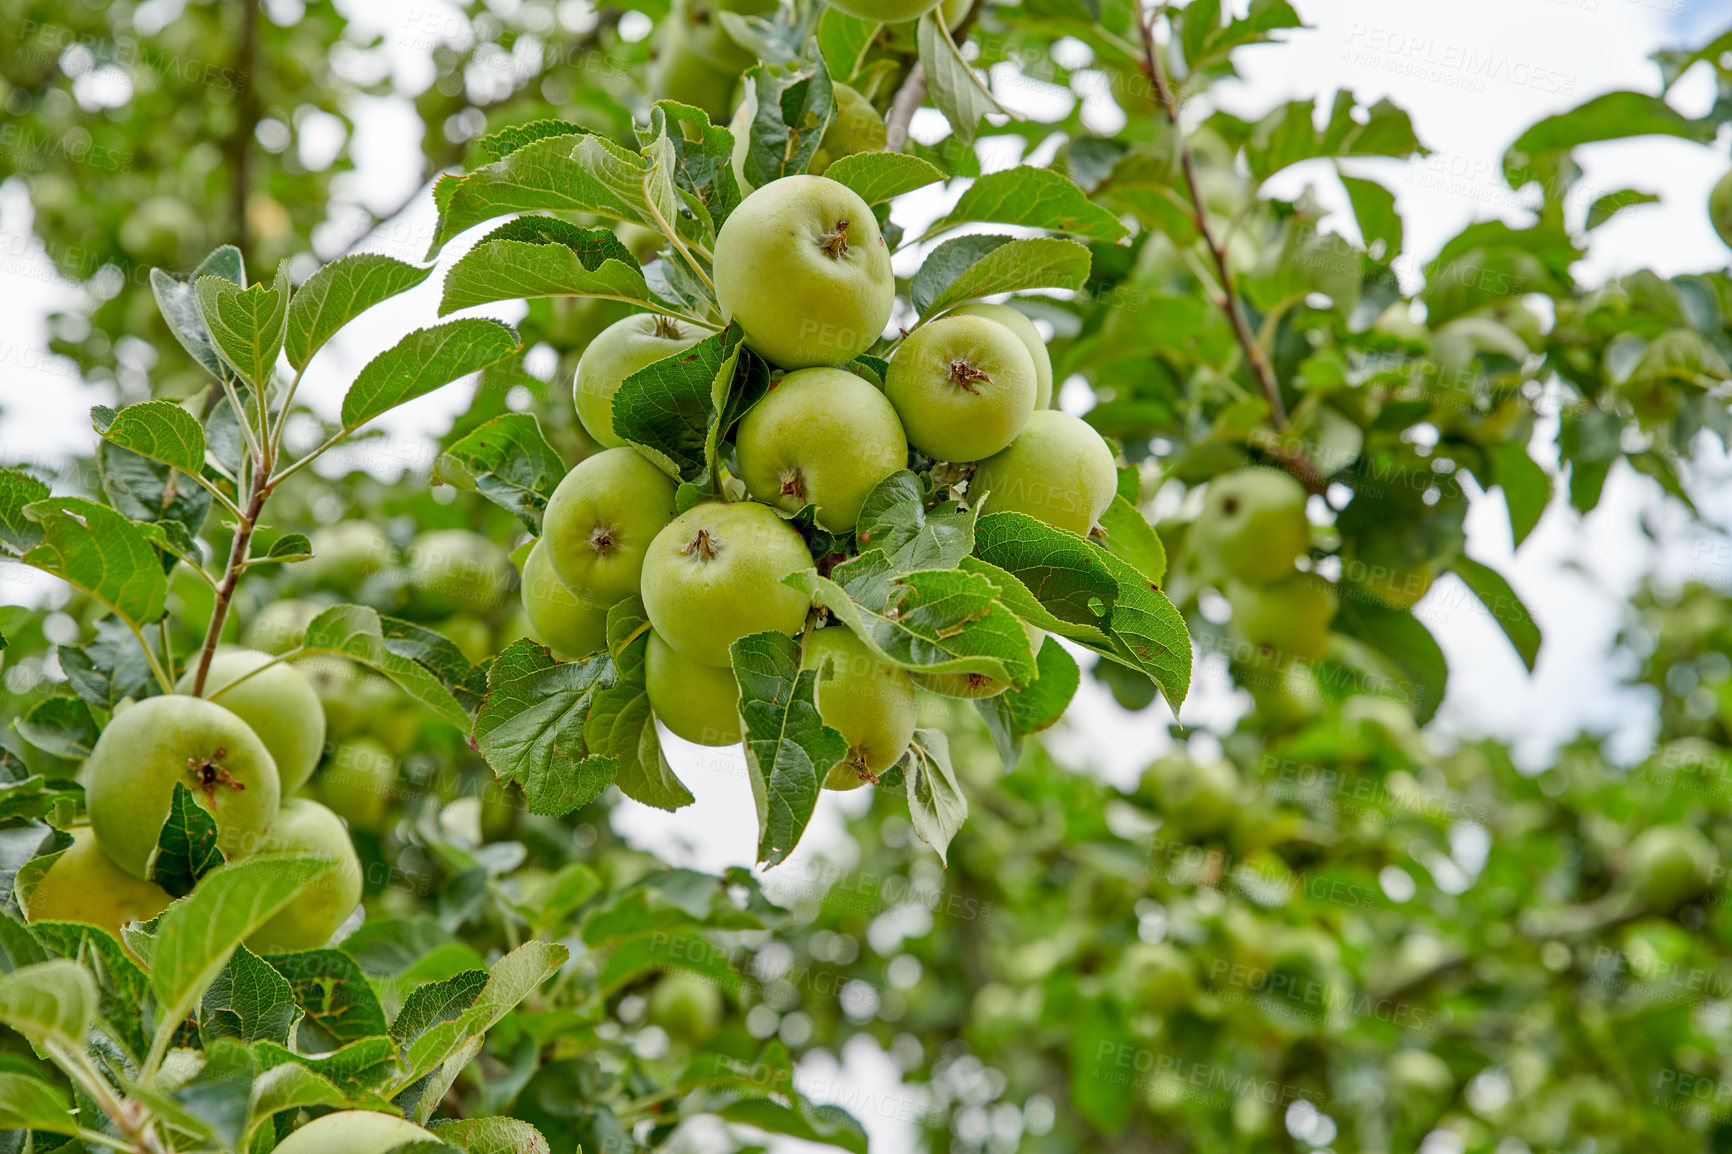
1226,298
907,102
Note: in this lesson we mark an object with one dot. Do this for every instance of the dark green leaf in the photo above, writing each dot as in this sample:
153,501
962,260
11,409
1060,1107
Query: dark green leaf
186,847
101,552
425,360
531,727
249,1000
330,987
1505,606
338,293
968,267
881,176
508,461
1033,198
795,104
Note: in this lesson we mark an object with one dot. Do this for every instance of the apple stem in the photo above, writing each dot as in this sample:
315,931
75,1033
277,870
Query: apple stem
703,545
835,244
964,375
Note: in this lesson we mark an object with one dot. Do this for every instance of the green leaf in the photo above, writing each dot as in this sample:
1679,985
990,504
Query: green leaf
1040,705
330,987
956,88
28,1103
99,551
531,727
511,979
293,1087
508,461
196,935
338,293
702,161
795,104
162,431
248,325
576,172
894,521
288,547
843,40
1374,209
17,490
60,725
50,1002
1612,116
1505,606
830,1125
676,409
621,724
435,1002
1610,205
1207,42
178,302
502,143
186,847
249,1000
1289,134
789,749
965,268
1527,488
536,256
1421,672
425,360
1034,198
109,669
1134,541
881,176
491,1135
935,802
357,632
357,1070
668,951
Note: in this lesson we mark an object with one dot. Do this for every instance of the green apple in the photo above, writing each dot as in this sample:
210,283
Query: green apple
953,11
1157,978
130,777
306,828
1720,208
707,36
1291,614
821,437
869,702
857,127
714,575
600,520
887,11
353,1132
1017,322
678,71
1668,865
1394,571
358,782
279,626
455,569
1058,470
801,267
963,386
559,619
469,633
346,554
1253,524
1198,798
276,701
83,885
696,701
975,685
687,1006
616,353
337,684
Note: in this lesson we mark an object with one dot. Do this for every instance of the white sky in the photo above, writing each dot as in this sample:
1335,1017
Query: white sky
1472,73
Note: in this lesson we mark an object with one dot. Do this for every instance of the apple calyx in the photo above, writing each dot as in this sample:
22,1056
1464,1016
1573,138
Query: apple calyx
601,540
208,773
857,761
667,328
835,244
703,545
793,484
964,375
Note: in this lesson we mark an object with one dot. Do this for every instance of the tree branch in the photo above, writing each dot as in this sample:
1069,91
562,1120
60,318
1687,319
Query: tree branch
908,100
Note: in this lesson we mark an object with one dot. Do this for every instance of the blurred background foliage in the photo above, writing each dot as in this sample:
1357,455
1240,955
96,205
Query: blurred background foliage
1323,927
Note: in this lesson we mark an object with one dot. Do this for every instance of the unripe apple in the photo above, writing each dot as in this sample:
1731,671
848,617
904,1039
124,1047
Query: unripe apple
801,267
954,10
561,622
856,127
1157,978
1291,614
616,353
358,782
130,777
346,554
1668,865
821,437
696,701
600,520
454,569
276,701
1058,470
887,11
279,626
1720,208
869,702
83,885
680,72
963,386
975,685
1018,322
1198,798
714,575
469,633
1253,524
306,828
707,36
687,1006
353,1132
1393,571
337,683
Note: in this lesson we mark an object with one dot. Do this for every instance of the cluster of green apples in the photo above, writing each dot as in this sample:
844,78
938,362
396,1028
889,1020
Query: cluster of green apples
1253,529
802,269
242,750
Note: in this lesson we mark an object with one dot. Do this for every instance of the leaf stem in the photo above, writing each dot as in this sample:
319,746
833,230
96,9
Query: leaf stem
150,658
673,236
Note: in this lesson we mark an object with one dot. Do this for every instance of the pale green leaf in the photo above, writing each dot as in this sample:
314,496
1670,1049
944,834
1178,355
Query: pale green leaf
338,293
425,360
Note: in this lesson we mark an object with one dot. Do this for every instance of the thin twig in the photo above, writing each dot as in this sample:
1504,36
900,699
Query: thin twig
908,100
237,564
